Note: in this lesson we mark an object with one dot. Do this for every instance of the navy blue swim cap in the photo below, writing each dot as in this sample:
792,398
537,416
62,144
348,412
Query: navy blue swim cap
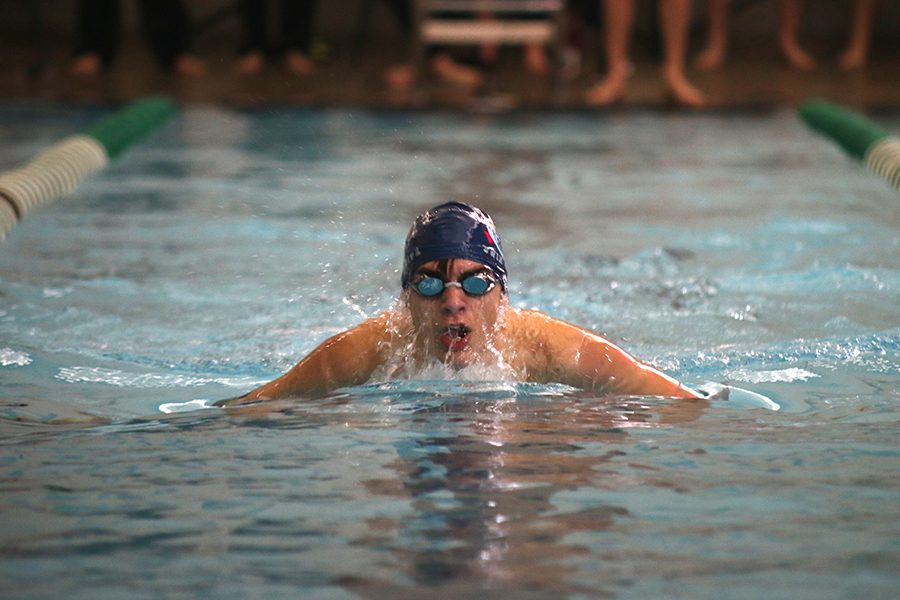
453,230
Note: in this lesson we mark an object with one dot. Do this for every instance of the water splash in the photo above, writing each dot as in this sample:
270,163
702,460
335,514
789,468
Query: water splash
796,360
408,359
120,378
13,358
775,376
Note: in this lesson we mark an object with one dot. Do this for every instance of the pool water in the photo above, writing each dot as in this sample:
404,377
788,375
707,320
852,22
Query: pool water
735,248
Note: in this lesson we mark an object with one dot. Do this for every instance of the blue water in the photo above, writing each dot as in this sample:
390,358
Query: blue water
730,248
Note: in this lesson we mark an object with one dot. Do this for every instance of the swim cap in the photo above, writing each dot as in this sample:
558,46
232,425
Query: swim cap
453,230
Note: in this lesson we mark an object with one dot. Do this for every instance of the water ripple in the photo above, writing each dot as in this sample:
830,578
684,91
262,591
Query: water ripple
120,378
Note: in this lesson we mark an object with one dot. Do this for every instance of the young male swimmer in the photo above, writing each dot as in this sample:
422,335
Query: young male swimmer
454,310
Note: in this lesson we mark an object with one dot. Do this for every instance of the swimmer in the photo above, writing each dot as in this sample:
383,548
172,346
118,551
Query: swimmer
454,312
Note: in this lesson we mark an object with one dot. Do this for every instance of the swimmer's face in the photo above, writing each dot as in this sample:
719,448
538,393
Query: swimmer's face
453,326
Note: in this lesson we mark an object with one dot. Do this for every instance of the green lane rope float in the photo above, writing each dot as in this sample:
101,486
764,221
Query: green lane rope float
130,124
858,136
58,171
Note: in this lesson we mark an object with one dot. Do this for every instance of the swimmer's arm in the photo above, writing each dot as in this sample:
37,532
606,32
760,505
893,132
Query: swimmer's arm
583,359
606,365
346,359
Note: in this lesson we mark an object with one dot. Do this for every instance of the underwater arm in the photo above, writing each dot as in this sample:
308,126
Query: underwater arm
346,359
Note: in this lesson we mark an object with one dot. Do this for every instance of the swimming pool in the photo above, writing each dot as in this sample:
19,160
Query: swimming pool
735,248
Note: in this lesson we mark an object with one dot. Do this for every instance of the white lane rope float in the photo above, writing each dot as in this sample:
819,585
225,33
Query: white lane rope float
57,171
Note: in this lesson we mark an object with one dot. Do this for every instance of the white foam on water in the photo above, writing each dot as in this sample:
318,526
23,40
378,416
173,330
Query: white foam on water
13,358
121,378
776,376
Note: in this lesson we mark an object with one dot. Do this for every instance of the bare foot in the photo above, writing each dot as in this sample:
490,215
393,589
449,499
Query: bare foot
455,73
299,63
710,59
797,57
610,90
571,63
853,58
189,65
87,65
536,59
681,90
399,78
249,64
488,53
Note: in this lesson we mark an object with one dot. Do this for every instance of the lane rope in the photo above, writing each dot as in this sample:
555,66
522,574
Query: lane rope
859,137
57,171
884,159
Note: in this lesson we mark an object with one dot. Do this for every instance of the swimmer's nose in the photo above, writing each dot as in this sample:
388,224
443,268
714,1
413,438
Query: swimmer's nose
453,301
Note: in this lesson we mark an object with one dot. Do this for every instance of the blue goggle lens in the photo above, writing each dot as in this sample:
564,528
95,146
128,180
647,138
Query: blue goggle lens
473,285
430,286
477,285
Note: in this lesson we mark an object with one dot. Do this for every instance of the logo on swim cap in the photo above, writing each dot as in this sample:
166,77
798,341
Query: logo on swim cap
453,230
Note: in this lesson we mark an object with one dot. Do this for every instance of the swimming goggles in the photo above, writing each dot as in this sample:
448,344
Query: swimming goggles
478,284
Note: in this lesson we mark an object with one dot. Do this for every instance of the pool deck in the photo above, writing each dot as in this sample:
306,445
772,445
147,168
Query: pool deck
754,78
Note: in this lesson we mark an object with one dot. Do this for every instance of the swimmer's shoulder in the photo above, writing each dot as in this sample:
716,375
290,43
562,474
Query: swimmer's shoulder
545,338
539,325
553,342
385,330
373,336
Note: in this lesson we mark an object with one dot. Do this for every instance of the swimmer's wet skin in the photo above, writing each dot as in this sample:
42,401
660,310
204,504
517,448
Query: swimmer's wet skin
454,309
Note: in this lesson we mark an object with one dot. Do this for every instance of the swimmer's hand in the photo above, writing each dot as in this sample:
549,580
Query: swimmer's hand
713,391
236,401
245,406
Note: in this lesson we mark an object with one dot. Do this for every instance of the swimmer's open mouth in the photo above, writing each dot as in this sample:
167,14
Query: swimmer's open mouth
455,337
